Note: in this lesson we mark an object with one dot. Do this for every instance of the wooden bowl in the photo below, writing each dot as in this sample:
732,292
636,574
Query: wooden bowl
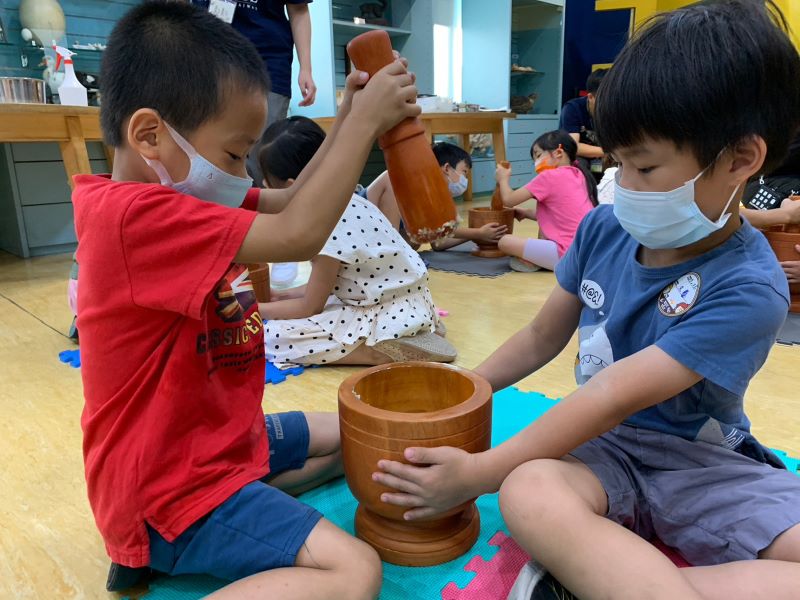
386,409
478,217
783,244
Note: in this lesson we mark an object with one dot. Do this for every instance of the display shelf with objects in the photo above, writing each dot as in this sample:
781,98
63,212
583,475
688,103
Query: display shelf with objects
513,57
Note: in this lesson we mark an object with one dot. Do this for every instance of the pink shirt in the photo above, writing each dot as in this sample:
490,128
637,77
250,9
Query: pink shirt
562,202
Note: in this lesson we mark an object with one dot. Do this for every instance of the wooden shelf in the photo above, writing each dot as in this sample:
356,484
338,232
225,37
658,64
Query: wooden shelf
356,28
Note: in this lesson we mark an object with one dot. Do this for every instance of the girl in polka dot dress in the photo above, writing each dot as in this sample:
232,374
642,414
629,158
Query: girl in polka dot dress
367,300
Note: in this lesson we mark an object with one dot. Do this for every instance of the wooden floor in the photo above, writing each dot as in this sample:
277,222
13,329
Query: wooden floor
49,547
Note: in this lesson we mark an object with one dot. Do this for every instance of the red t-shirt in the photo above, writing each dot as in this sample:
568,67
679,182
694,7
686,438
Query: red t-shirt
172,354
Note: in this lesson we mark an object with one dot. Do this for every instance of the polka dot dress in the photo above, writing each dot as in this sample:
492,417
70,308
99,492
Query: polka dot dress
381,293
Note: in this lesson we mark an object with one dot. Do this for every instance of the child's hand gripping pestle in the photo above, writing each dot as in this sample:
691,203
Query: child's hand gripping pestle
497,197
425,204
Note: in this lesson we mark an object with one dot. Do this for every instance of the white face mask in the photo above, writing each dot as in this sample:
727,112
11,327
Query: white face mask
661,220
205,180
459,187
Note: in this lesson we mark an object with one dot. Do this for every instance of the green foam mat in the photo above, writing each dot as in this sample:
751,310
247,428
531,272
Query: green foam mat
512,411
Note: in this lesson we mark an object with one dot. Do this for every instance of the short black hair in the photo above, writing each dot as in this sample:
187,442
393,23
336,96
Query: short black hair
177,59
594,79
552,141
288,146
450,154
705,77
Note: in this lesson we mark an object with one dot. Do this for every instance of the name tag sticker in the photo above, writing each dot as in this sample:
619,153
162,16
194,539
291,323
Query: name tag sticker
223,9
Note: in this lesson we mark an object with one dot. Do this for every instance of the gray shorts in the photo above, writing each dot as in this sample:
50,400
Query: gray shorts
711,504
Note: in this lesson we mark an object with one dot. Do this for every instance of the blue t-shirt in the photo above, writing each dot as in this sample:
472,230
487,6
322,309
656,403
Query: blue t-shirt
717,314
575,118
264,22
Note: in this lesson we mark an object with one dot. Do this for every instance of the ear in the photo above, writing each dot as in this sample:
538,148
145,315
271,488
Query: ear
264,183
290,182
748,157
145,131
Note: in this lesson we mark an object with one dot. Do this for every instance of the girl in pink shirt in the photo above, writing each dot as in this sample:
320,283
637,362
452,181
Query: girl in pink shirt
563,192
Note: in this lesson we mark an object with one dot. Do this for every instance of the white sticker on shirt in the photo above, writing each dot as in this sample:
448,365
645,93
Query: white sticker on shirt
223,9
592,294
679,296
594,353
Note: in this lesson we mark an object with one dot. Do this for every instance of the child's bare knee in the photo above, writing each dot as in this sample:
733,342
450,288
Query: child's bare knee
533,487
363,572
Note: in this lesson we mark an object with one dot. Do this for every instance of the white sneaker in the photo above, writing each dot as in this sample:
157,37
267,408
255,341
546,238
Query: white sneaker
283,273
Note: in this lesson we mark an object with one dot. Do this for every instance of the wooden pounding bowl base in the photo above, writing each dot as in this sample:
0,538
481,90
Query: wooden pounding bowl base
419,544
386,409
478,217
783,240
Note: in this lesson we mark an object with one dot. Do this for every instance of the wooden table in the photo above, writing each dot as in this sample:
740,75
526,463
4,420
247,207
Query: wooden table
70,126
462,124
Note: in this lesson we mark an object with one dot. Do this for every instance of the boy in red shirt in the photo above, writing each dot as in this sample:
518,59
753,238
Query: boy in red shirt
175,443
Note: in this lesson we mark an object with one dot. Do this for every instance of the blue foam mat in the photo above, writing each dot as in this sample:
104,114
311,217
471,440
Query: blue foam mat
512,411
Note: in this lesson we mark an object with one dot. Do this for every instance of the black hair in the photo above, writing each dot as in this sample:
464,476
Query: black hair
450,154
177,59
594,79
552,141
288,146
705,77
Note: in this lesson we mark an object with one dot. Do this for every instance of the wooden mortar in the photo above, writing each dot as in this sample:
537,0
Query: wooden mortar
783,245
424,200
259,277
497,213
386,409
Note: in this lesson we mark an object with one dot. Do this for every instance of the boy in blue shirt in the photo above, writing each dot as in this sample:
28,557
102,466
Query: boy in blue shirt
677,301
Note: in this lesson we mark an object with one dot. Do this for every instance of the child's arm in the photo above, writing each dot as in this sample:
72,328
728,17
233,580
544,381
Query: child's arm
290,294
491,232
323,277
300,230
520,214
787,214
618,391
510,197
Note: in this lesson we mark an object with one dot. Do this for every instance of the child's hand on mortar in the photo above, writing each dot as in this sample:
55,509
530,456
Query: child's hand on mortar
389,98
791,207
792,269
491,232
446,478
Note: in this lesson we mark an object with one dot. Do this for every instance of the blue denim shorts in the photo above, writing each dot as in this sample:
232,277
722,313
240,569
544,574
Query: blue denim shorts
257,529
710,503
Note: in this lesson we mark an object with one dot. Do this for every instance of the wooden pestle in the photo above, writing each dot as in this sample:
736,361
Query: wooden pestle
259,277
425,204
497,197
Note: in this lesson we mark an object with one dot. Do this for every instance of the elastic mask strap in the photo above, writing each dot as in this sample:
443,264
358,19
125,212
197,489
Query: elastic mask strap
183,144
156,165
725,210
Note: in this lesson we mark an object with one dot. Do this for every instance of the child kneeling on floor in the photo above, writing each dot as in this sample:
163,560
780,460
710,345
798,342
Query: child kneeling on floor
184,471
677,301
563,192
367,300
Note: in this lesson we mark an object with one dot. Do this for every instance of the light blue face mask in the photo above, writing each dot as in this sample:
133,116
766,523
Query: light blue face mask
205,180
661,220
459,187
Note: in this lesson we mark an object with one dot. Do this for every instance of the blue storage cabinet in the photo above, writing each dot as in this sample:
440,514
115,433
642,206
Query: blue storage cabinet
497,35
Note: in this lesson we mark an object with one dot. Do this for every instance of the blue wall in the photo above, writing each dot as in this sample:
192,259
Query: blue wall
591,37
88,22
